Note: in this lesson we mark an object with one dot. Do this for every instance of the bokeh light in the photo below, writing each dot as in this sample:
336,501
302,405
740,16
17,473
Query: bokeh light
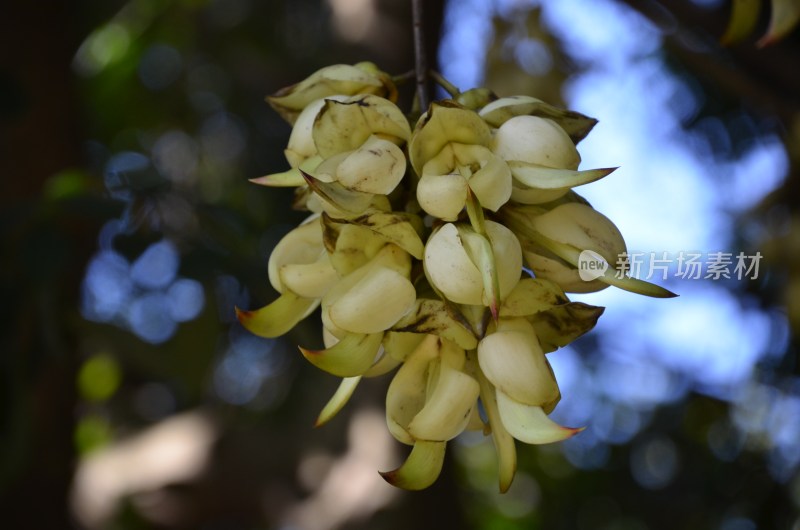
148,296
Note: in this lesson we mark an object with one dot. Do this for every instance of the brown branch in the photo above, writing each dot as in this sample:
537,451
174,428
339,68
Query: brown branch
420,59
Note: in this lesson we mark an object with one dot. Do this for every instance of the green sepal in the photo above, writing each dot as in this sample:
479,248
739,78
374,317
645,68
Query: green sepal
532,295
287,179
393,227
437,318
562,324
290,178
338,196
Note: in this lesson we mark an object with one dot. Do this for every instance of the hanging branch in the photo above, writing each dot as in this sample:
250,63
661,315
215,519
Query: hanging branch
420,61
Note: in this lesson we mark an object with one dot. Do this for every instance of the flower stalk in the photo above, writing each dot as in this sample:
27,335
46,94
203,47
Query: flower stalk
420,56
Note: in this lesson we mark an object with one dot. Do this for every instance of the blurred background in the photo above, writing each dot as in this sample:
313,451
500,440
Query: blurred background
131,399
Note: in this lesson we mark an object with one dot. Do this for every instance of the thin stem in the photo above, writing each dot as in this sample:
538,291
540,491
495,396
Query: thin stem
420,60
399,79
445,84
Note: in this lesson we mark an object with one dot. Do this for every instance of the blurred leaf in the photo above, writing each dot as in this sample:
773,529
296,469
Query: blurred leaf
99,378
785,16
67,184
92,432
743,20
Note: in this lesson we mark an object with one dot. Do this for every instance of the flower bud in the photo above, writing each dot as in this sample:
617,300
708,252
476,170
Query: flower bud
514,362
445,122
301,142
451,267
447,178
303,245
343,79
345,125
576,125
376,167
583,228
372,297
444,195
378,299
535,140
475,98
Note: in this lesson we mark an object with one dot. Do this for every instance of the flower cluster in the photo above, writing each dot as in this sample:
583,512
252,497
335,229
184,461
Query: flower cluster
443,253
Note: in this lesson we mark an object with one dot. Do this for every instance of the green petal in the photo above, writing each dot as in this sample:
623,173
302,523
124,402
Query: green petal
784,17
374,302
310,280
634,285
492,183
448,408
279,317
530,424
548,178
349,357
421,468
445,122
382,366
290,178
503,441
571,255
338,400
744,15
514,362
405,396
401,345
